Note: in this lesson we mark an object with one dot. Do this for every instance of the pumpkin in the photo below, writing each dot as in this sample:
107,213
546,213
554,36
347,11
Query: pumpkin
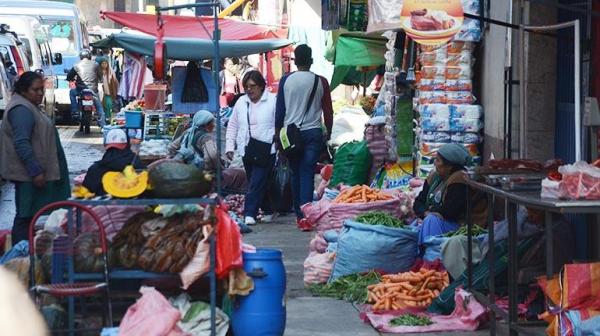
175,179
126,184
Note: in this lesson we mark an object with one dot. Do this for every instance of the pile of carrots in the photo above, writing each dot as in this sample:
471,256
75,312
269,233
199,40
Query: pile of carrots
361,194
407,290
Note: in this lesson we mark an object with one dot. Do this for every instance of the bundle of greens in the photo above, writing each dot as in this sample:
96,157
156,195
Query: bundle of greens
410,320
379,218
477,230
351,288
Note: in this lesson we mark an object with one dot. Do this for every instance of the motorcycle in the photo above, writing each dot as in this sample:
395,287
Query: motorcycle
87,109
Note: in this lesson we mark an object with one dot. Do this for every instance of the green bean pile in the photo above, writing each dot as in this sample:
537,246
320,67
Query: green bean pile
379,218
410,320
477,230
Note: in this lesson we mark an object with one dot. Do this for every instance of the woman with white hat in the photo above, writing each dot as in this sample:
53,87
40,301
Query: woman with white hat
118,155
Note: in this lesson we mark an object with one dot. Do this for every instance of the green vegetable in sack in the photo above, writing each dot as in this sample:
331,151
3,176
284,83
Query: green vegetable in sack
380,218
352,164
351,288
410,320
463,231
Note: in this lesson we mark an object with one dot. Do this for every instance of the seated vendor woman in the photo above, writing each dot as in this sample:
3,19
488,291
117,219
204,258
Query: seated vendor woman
118,155
442,203
197,144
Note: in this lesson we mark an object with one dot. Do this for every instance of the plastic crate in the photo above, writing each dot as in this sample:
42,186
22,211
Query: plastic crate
134,119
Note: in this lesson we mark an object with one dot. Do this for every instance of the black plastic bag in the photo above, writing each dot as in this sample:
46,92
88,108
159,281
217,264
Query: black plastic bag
281,186
194,89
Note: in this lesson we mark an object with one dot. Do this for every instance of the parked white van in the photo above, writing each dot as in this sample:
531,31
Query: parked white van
38,53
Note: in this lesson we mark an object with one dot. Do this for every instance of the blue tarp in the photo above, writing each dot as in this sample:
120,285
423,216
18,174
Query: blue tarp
189,49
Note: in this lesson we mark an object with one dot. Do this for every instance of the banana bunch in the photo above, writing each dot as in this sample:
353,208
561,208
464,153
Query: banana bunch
82,192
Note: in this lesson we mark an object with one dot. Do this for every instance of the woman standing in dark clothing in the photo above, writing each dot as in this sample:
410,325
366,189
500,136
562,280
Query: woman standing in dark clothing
31,155
442,201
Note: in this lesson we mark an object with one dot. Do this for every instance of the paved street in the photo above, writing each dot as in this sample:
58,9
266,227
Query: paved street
308,315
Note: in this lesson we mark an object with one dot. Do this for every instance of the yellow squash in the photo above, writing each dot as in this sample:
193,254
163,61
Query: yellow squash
126,184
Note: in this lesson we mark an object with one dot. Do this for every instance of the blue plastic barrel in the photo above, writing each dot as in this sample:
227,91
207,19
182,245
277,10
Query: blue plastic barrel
262,313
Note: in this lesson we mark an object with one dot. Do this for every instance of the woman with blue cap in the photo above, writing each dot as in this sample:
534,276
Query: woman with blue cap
442,203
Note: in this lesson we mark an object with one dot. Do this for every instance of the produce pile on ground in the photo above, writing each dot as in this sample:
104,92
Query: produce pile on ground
361,194
407,290
410,320
380,218
351,288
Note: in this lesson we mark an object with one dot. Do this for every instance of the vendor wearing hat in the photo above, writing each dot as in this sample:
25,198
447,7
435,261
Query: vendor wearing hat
442,203
118,155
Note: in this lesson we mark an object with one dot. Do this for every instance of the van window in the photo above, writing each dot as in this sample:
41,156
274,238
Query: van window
62,35
46,54
28,52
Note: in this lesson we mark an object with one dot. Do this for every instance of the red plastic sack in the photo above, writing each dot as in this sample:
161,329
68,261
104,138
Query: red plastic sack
581,180
229,243
317,213
339,212
151,315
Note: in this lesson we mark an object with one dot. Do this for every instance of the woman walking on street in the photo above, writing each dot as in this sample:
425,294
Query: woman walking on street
31,155
250,132
110,87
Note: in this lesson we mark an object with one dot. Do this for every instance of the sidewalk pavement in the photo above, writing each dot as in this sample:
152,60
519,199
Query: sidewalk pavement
308,315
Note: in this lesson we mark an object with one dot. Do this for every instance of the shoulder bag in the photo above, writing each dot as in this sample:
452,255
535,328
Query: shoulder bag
257,152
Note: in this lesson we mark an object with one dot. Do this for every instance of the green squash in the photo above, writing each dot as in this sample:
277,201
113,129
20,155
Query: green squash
175,179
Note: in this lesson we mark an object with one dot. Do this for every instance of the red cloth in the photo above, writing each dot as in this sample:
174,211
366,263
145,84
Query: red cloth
190,27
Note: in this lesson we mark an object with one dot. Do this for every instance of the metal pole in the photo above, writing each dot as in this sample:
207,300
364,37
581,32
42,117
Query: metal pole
522,95
577,69
213,276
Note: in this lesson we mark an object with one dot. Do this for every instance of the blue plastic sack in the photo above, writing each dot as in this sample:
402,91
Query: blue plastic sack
364,247
433,247
18,251
331,236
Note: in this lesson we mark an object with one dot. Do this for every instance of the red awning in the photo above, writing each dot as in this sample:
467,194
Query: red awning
190,27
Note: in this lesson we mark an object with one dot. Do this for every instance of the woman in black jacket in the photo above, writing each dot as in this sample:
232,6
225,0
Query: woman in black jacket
118,155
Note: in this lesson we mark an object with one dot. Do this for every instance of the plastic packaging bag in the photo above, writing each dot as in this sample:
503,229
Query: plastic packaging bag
363,247
465,125
435,124
440,111
200,263
581,180
317,267
229,243
317,244
348,125
384,15
550,189
351,164
151,315
196,316
466,111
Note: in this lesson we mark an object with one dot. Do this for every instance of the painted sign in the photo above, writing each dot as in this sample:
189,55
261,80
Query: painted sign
432,22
